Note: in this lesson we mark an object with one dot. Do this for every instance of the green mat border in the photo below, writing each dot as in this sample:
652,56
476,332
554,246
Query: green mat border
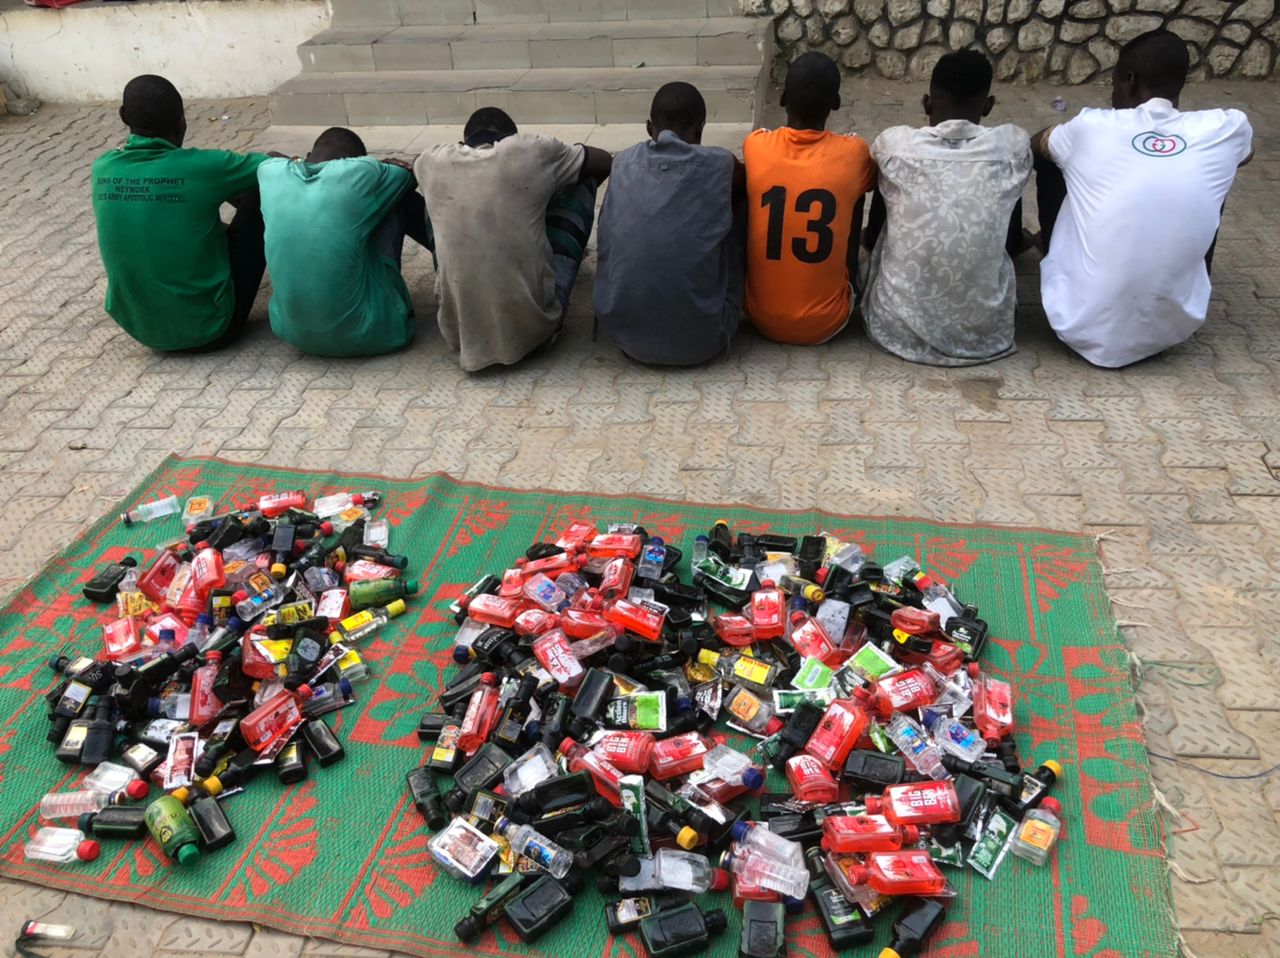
385,938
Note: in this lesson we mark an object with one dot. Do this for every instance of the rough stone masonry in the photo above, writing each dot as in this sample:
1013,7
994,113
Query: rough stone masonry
1063,41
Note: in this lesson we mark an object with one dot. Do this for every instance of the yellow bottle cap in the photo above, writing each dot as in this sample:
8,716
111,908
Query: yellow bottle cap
889,953
279,570
687,839
708,657
1053,766
396,608
182,794
212,785
814,594
336,637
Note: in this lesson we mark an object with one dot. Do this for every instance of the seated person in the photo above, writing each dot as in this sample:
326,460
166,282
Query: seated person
177,279
668,285
1126,274
941,287
336,224
511,214
804,211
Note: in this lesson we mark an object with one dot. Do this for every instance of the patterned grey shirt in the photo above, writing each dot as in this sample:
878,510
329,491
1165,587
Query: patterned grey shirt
941,286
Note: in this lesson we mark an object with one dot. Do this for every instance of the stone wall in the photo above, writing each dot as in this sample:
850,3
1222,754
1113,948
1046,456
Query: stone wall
1066,41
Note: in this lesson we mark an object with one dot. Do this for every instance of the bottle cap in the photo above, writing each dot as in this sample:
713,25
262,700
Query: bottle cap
565,744
205,619
821,575
974,671
467,929
715,920
857,874
326,528
168,636
1052,806
910,834
395,607
213,657
137,789
182,794
1052,766
687,838
739,830
239,596
753,778
85,822
279,570
768,584
410,586
488,678
187,853
874,804
774,726
303,692
461,653
628,866
212,785
726,860
88,850
708,657
797,616
889,953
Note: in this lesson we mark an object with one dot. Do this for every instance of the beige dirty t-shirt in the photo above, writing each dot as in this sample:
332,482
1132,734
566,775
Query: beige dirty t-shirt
495,279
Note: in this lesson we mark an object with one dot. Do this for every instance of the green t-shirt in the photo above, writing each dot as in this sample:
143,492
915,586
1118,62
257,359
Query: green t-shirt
333,293
162,241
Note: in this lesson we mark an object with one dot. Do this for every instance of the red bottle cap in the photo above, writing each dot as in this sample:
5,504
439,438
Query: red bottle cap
239,595
768,584
88,850
875,804
488,678
326,528
974,671
137,789
820,576
774,726
339,566
521,562
303,692
565,744
1052,806
910,834
857,874
213,657
202,544
357,499
719,878
300,546
797,616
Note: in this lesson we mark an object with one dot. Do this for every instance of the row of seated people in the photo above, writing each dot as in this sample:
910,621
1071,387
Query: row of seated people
691,240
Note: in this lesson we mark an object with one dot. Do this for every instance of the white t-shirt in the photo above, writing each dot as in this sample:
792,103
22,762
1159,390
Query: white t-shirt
1125,277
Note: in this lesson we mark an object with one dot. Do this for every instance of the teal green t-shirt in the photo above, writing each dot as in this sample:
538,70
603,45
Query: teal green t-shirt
163,244
333,293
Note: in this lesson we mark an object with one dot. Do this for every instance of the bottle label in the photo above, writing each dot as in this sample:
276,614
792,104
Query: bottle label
751,671
872,664
839,910
631,910
812,675
989,851
744,706
1037,834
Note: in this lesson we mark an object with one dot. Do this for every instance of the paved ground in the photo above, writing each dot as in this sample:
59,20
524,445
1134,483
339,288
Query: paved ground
1173,463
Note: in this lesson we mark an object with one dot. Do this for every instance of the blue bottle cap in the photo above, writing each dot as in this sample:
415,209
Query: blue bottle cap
168,636
461,654
345,686
752,778
205,619
739,831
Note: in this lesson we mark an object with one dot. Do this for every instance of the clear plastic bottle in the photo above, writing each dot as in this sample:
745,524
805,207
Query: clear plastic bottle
326,507
914,744
688,871
534,766
727,763
652,559
377,532
1038,832
61,846
109,777
757,868
57,805
148,511
755,835
536,847
956,738
699,553
252,602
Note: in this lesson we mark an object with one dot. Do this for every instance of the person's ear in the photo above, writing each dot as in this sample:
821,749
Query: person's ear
986,107
926,104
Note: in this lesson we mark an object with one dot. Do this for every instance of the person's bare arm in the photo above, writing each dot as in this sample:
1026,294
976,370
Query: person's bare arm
855,231
876,217
1040,143
596,164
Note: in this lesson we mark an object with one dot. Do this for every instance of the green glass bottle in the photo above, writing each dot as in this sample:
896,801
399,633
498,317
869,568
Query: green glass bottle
171,826
373,592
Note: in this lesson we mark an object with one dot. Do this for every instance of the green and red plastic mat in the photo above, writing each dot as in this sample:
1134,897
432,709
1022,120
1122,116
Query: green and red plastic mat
343,855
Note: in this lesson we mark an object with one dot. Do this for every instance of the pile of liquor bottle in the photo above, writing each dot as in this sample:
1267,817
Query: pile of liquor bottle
222,651
579,734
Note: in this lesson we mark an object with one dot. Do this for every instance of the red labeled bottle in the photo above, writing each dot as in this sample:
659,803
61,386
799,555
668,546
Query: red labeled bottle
612,544
865,833
642,618
615,581
533,622
204,703
121,638
155,582
679,755
606,775
253,662
481,714
733,628
811,780
553,653
628,751
276,717
917,803
279,503
768,611
207,573
551,566
579,533
583,623
811,640
992,705
904,692
900,873
512,586
837,734
495,610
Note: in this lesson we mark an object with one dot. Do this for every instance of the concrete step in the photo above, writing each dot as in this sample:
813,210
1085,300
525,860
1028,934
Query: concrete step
354,13
720,41
409,141
589,95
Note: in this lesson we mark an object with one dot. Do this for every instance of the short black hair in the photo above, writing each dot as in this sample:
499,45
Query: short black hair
151,104
1158,59
678,106
964,77
489,119
813,85
336,143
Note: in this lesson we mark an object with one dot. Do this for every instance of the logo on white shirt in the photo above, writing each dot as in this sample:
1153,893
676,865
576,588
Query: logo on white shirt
1152,143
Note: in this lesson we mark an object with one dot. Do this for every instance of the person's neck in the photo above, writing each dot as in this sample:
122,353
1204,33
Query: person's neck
940,118
1146,96
686,136
810,124
170,137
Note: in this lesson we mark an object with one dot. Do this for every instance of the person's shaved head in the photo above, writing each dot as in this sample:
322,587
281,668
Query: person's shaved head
1154,64
960,88
487,125
812,89
680,108
336,143
152,106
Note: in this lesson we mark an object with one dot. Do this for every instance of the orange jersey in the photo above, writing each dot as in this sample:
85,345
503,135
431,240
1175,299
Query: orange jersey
802,186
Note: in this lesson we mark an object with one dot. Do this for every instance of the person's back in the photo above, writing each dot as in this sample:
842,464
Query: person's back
164,247
334,293
1126,277
488,199
804,192
668,286
941,287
